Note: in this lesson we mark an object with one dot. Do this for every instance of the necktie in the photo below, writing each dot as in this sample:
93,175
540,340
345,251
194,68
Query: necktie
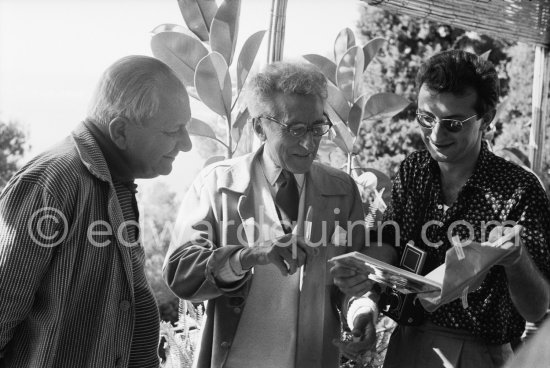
287,198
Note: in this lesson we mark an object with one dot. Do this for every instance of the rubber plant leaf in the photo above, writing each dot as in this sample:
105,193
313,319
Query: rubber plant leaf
384,105
200,128
179,51
356,114
213,84
327,66
213,159
349,73
342,137
239,123
171,27
198,15
344,41
224,30
338,102
371,49
247,56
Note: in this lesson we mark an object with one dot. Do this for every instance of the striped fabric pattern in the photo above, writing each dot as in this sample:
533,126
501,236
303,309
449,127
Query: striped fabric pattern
66,291
143,353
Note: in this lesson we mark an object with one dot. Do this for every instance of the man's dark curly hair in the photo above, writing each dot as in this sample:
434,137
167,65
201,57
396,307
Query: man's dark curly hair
456,70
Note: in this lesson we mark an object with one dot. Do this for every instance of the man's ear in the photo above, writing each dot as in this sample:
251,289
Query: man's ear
258,128
118,131
487,118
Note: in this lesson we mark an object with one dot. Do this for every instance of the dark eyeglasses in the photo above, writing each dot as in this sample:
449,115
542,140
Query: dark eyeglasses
429,121
317,128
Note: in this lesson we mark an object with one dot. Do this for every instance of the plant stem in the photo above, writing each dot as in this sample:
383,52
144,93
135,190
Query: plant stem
229,138
350,156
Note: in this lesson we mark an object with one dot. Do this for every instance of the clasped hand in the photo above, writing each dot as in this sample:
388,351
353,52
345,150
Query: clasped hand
288,253
364,337
515,243
352,282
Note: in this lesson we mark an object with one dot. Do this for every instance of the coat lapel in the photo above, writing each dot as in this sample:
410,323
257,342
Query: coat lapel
93,159
314,301
235,187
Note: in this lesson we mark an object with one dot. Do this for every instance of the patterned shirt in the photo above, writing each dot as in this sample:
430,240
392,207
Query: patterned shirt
497,191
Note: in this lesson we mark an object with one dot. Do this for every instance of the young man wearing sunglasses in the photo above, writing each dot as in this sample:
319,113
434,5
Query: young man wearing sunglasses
451,189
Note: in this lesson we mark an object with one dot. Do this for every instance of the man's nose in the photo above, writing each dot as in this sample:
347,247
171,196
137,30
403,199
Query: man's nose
438,131
185,143
308,141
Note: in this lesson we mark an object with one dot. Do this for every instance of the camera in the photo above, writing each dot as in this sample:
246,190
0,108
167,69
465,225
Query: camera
405,309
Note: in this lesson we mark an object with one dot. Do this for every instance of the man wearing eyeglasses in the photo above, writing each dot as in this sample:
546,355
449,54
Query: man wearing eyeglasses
256,233
450,190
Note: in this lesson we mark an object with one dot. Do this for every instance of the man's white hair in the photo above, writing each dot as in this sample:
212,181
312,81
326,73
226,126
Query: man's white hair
284,78
130,88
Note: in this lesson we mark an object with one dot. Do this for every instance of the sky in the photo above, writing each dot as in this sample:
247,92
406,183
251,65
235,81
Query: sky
53,52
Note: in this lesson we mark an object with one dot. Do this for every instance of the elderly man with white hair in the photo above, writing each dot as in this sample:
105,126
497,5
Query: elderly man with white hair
73,291
244,242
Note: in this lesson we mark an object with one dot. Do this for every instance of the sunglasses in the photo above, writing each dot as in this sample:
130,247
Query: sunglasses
429,122
317,128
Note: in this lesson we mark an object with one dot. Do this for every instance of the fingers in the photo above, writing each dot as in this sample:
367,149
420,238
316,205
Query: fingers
281,265
364,339
288,253
351,282
291,264
293,250
283,259
508,238
306,247
502,234
339,270
360,324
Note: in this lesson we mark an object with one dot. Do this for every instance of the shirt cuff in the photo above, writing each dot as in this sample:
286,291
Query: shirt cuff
232,270
359,306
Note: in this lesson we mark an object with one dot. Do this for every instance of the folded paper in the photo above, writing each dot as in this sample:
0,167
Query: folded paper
466,265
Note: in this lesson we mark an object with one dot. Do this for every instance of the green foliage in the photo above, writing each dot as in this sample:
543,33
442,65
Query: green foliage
348,106
12,149
202,55
383,145
514,123
180,341
158,208
410,41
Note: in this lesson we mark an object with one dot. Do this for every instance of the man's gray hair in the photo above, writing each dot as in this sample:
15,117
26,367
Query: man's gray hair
130,88
284,78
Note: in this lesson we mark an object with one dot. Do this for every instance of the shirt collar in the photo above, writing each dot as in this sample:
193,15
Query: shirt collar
482,172
118,167
272,171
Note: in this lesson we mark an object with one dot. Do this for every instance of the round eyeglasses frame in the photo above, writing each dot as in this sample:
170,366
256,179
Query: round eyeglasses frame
429,122
298,130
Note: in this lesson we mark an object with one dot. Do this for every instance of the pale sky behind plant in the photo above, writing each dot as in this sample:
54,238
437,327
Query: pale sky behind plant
53,52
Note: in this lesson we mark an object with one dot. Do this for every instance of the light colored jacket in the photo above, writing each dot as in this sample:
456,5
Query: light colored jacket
214,207
67,302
